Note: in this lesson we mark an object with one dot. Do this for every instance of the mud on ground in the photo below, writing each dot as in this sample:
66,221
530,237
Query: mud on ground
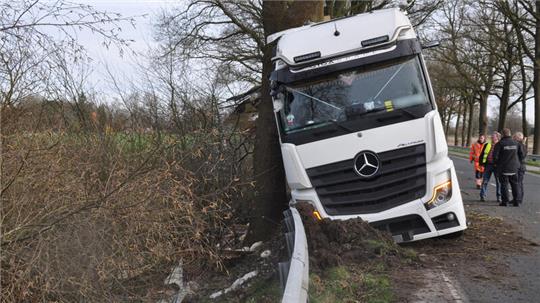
362,264
479,253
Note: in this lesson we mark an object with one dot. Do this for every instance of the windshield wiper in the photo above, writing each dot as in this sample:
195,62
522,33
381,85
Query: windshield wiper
322,123
388,82
354,112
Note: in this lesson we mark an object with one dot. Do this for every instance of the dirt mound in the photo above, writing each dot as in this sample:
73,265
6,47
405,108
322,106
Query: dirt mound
335,243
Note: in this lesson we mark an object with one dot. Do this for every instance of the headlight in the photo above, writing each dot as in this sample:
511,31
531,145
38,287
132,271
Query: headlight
442,192
315,213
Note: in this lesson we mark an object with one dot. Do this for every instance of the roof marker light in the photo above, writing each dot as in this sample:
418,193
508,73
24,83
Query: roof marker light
307,57
376,40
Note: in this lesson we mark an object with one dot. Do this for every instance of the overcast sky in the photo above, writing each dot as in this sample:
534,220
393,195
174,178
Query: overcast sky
143,36
145,13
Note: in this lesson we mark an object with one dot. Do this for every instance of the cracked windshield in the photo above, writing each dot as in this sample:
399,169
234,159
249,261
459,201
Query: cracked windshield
350,95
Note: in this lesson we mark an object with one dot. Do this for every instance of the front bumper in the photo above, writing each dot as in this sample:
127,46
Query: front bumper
410,221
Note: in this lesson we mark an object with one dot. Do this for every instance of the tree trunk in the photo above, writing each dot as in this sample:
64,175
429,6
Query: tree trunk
470,124
442,115
536,83
456,130
508,78
484,94
503,107
270,184
464,123
482,114
524,123
448,118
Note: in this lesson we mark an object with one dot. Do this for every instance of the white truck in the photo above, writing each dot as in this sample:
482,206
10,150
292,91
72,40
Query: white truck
359,129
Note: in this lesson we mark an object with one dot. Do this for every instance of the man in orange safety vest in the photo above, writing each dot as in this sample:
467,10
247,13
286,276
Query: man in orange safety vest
474,156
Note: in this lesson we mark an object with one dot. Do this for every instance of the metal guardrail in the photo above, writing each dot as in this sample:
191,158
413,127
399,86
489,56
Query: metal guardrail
530,157
294,274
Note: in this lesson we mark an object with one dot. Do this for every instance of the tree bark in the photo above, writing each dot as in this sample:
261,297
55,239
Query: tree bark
505,97
536,82
448,118
484,94
456,130
270,184
470,124
507,81
524,123
463,124
482,117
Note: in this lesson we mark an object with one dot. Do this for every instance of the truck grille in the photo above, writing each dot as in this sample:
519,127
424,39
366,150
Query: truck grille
401,179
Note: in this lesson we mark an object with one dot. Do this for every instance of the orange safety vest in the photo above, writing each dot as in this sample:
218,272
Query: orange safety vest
476,150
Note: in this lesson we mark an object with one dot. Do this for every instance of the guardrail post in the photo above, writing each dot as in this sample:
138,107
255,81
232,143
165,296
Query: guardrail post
283,273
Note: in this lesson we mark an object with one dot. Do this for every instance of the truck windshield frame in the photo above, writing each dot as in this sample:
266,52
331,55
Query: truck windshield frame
343,98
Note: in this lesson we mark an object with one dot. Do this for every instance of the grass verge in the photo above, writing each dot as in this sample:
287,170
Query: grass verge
350,284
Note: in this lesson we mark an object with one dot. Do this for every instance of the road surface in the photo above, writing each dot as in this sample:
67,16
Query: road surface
522,283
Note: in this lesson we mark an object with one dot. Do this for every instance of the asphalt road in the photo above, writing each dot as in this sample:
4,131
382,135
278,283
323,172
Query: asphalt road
522,281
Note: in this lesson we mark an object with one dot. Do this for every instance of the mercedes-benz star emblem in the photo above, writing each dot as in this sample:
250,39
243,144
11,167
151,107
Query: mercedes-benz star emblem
366,164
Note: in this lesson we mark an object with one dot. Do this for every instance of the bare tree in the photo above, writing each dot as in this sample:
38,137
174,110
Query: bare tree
38,37
525,17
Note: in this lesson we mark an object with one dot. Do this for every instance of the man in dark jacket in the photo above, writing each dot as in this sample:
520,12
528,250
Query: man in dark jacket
519,138
508,155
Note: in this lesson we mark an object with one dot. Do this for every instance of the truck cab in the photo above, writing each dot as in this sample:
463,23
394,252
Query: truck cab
359,129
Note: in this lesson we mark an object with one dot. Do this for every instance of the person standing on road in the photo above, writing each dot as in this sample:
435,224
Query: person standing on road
508,155
486,160
474,156
519,138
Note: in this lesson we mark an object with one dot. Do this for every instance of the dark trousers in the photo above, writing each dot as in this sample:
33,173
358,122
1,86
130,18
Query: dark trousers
514,184
521,174
478,174
489,169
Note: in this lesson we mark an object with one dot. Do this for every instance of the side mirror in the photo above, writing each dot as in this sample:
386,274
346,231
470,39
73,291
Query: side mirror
274,88
431,44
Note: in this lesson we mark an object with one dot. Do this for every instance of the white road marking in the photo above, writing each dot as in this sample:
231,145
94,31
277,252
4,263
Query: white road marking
458,296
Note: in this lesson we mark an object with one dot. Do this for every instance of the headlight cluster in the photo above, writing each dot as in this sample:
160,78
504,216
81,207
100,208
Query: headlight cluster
442,192
315,213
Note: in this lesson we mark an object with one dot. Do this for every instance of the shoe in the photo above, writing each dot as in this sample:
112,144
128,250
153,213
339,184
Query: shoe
478,186
482,199
516,205
503,204
498,199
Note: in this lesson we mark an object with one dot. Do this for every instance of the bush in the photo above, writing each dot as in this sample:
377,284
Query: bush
101,217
